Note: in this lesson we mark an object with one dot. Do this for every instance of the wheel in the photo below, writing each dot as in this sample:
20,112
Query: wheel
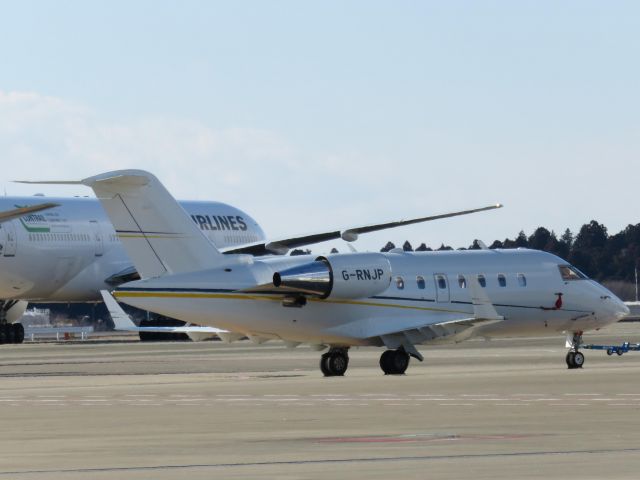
18,333
569,359
619,351
394,362
3,334
578,360
9,333
338,363
334,363
323,365
386,362
609,351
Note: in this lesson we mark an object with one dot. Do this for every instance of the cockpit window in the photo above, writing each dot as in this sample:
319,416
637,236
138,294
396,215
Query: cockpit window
571,273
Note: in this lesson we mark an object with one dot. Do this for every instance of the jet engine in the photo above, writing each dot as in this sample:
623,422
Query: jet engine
353,275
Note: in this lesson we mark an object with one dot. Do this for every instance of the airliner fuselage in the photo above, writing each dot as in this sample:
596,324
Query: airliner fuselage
71,252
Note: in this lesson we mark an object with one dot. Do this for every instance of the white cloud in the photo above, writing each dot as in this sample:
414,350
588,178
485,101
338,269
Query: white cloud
46,137
291,188
287,190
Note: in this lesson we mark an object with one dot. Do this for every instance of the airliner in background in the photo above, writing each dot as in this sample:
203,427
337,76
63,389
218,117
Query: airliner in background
396,300
66,249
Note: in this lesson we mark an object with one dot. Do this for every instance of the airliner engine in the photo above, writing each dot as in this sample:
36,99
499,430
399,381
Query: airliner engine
338,276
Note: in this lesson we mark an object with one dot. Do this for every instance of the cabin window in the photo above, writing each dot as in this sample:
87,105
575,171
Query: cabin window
482,281
442,282
421,283
571,273
522,280
502,280
462,282
400,283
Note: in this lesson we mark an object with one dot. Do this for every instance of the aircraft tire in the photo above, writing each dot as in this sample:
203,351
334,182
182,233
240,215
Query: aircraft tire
569,359
18,333
9,333
323,365
394,362
334,363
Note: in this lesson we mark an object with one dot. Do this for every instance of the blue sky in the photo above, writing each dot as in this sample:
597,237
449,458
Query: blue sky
316,115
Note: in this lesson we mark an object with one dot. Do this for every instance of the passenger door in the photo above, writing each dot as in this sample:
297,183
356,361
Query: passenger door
8,239
442,287
97,238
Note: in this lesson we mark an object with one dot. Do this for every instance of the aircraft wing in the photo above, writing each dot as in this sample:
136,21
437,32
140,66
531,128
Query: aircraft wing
437,326
282,246
7,215
123,322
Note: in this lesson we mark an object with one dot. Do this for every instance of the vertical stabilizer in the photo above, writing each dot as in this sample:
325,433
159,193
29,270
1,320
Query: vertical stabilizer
154,229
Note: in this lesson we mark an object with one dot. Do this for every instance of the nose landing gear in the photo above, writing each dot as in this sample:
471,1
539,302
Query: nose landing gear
575,358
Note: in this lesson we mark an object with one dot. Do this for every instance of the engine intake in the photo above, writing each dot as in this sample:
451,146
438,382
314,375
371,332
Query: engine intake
356,275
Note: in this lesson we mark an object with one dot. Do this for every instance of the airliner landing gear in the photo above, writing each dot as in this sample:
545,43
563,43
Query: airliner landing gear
335,362
394,362
10,311
11,333
575,358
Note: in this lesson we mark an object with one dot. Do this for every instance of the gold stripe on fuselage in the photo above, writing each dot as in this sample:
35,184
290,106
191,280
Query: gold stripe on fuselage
240,296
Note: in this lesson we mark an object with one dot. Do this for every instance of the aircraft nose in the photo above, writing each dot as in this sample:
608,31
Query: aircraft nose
616,307
622,309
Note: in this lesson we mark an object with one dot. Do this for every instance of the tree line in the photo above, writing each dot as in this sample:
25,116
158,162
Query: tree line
609,259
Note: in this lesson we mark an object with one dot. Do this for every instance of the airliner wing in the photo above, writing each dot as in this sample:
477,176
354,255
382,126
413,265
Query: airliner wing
123,322
7,215
350,234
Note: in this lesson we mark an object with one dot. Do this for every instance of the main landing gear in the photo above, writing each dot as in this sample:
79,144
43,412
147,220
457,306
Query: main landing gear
11,333
575,358
335,362
394,362
10,311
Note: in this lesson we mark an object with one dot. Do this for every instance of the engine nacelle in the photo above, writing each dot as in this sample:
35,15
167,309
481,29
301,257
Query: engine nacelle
353,275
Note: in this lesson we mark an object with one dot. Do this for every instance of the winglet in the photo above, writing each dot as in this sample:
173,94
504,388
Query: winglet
483,309
121,320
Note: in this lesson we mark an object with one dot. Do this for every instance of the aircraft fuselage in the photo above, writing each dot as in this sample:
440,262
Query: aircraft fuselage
525,286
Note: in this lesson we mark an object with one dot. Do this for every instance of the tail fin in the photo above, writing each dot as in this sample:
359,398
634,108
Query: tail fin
156,232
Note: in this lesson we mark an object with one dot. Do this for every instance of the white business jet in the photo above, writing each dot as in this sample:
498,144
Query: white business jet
395,300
